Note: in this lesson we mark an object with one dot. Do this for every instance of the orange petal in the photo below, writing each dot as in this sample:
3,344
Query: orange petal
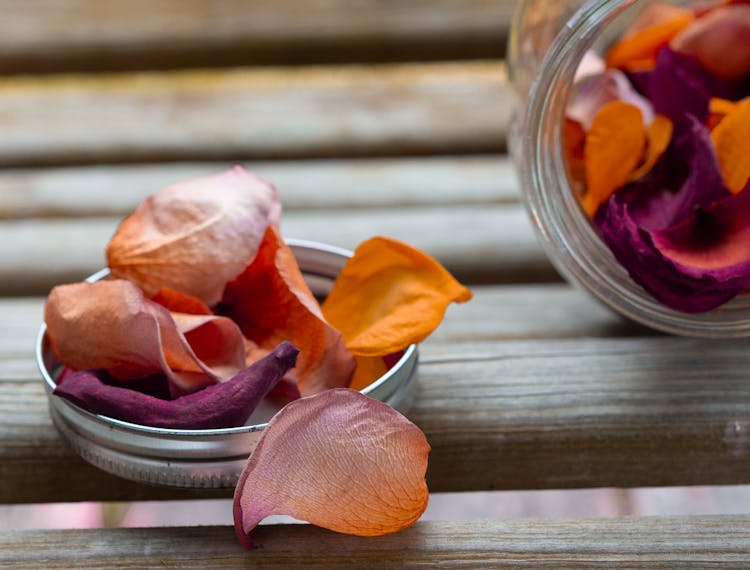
177,302
369,369
574,138
389,295
718,109
614,147
659,137
654,27
271,302
195,236
339,460
719,41
110,325
732,141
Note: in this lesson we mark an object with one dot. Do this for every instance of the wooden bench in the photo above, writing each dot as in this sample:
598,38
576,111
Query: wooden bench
398,128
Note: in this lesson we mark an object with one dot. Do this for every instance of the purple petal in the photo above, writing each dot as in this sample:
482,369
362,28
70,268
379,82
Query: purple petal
227,404
679,87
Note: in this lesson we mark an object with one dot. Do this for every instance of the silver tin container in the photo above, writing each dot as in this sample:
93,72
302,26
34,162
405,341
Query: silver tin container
211,458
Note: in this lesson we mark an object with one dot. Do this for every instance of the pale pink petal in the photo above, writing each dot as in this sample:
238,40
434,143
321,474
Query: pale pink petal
195,236
339,460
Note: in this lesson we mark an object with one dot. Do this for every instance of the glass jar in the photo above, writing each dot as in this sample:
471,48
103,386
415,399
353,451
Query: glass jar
548,40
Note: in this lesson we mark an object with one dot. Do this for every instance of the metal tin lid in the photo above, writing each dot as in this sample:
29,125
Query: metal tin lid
201,458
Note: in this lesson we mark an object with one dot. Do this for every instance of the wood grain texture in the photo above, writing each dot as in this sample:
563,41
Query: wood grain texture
479,243
245,113
48,35
544,399
303,184
639,542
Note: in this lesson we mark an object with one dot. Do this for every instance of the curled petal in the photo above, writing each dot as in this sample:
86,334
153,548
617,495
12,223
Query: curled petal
110,325
195,236
224,405
389,295
659,136
719,41
614,146
732,140
339,460
177,302
271,302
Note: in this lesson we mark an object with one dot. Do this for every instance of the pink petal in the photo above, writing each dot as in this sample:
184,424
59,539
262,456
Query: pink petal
339,460
110,325
195,236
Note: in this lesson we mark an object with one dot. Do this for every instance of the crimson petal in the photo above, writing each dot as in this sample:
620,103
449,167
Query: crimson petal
223,405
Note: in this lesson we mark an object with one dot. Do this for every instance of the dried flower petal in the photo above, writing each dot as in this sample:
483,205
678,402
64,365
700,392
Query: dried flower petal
719,108
654,27
719,41
195,236
110,325
593,92
223,405
369,369
659,137
271,302
389,295
732,140
339,460
614,147
177,302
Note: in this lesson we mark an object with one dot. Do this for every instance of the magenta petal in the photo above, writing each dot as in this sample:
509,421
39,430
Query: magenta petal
223,405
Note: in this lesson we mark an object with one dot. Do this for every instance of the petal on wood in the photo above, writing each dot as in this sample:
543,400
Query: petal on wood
224,405
339,460
195,236
110,325
614,146
732,140
390,295
271,302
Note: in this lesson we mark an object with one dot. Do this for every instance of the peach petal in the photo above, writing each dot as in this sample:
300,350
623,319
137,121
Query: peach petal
110,325
271,302
339,460
719,41
195,236
731,137
390,295
177,302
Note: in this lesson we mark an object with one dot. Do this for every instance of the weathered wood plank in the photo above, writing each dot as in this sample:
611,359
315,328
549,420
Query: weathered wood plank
500,414
637,542
304,185
44,35
489,243
255,113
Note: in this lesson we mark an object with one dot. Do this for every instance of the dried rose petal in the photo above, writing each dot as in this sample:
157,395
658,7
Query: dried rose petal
177,302
110,325
732,140
223,405
339,460
719,41
659,136
389,295
656,233
195,236
271,302
590,94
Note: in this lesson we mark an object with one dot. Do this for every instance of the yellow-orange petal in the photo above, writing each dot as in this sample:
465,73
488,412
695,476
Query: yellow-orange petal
271,302
389,295
110,325
731,137
369,369
659,137
339,460
654,27
195,236
614,147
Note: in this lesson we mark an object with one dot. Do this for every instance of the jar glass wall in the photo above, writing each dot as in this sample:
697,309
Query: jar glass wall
548,40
